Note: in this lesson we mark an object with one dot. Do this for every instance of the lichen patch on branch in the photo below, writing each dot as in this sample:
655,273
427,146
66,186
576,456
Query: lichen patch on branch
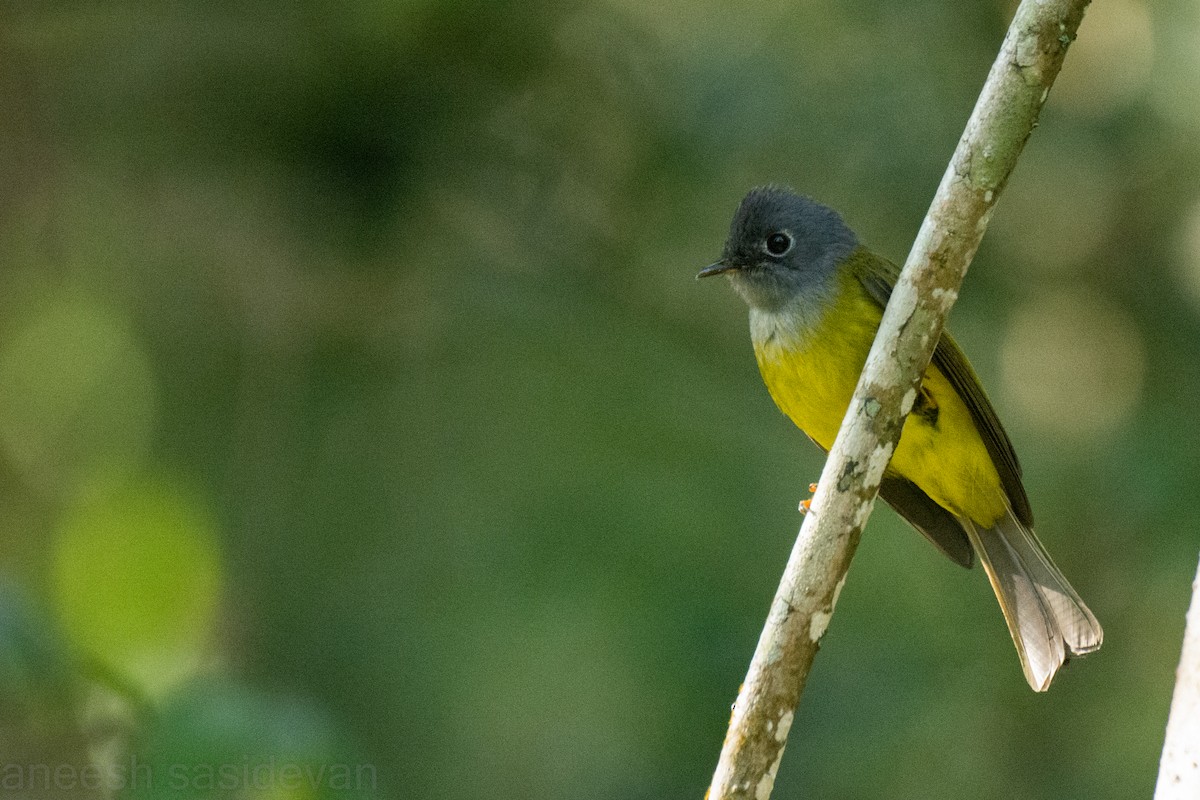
878,461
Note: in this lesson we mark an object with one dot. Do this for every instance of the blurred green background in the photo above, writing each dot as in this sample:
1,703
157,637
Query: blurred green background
358,408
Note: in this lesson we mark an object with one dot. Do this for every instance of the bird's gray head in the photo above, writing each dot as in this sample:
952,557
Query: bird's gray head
782,246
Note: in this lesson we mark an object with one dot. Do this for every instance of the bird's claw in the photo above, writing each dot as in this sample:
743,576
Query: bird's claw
805,505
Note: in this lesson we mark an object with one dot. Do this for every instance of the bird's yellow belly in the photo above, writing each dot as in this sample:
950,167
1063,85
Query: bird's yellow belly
812,378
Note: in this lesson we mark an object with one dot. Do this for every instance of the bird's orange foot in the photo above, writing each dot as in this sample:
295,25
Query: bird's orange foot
805,505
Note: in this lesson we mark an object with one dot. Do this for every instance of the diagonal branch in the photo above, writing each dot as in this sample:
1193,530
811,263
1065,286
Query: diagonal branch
1004,116
1179,768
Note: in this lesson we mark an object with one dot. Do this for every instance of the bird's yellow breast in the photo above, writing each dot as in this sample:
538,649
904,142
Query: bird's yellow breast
811,358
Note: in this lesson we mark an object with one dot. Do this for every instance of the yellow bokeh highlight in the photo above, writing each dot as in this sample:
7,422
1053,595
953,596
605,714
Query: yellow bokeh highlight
1074,364
1057,212
1177,64
77,392
137,581
1189,252
1109,65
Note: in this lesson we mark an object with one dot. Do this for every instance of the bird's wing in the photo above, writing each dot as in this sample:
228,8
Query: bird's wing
878,276
924,514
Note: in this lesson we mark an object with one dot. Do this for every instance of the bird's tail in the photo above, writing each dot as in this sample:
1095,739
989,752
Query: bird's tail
1048,621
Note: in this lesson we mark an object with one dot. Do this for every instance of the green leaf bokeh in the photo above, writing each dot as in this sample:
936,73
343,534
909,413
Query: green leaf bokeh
353,382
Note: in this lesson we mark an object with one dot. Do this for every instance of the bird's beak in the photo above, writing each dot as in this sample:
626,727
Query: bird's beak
719,268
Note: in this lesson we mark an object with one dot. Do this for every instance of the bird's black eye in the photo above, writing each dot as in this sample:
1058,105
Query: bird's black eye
778,243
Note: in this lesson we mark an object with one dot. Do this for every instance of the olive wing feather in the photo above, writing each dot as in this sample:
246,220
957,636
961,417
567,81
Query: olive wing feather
878,276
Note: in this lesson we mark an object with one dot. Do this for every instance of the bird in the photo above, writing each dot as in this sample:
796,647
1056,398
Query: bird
816,298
